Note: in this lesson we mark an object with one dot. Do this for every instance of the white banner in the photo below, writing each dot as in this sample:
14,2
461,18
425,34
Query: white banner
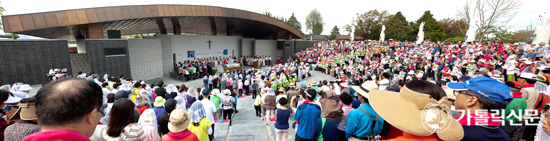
206,53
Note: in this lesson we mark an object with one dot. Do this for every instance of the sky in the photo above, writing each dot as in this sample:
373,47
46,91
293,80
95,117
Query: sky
337,13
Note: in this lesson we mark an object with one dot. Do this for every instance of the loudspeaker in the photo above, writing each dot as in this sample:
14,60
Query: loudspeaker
113,34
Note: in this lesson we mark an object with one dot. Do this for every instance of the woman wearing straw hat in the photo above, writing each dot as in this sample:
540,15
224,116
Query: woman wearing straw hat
26,123
364,123
179,121
411,109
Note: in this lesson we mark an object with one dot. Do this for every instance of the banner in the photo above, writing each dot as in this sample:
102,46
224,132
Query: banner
206,53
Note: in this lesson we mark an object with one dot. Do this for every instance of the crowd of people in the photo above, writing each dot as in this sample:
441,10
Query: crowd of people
382,91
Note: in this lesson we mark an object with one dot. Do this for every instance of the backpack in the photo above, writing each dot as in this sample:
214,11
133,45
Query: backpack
227,102
541,101
320,137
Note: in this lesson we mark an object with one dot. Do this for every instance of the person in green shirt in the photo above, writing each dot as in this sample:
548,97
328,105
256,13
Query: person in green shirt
217,100
514,112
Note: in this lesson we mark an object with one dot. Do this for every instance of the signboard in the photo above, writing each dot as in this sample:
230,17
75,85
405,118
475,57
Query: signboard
206,53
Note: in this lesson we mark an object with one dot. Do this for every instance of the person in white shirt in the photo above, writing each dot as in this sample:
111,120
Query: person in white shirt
209,109
384,82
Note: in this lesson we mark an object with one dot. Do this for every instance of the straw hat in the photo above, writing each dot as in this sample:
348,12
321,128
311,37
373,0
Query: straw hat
408,110
313,83
365,88
27,111
179,120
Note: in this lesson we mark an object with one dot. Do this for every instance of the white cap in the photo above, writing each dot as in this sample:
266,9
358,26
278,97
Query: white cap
528,76
12,100
528,62
25,87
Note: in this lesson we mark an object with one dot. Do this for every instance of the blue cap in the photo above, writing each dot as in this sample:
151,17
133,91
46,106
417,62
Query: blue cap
205,91
485,87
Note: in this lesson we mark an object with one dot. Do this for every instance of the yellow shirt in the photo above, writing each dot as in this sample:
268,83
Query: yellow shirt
202,130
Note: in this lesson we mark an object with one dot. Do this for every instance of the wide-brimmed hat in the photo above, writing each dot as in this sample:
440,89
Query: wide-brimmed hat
27,110
313,83
179,120
159,101
365,88
409,111
12,100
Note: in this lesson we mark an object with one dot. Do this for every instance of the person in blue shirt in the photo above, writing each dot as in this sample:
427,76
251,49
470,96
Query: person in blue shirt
364,123
530,54
327,126
306,116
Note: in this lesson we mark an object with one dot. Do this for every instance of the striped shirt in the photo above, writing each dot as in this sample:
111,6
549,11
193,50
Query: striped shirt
132,132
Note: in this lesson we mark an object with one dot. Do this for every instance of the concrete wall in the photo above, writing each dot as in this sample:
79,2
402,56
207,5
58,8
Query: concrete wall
247,46
28,61
303,45
166,49
269,48
288,49
80,62
116,66
183,43
145,58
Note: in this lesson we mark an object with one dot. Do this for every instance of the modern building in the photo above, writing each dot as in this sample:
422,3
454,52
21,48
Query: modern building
219,32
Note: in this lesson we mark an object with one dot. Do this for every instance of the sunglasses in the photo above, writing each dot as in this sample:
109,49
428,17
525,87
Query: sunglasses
456,93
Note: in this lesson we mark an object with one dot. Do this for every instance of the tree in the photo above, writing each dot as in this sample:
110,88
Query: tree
488,14
501,35
454,27
280,18
432,29
314,22
522,36
1,14
292,21
397,27
369,24
347,28
334,32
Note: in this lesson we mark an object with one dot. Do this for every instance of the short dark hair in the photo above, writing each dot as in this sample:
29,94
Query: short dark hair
283,101
110,97
161,92
67,101
116,85
104,85
4,95
346,98
137,85
386,75
425,87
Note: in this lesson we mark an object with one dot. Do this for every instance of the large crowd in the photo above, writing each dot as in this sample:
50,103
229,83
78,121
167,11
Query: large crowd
381,91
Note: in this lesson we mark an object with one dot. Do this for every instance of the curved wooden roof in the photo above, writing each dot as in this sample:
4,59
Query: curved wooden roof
58,24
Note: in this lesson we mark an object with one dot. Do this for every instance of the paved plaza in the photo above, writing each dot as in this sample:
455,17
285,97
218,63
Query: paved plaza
246,126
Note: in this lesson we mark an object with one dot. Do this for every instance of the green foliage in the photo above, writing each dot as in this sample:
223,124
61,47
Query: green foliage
369,25
1,14
397,27
522,36
501,35
280,18
432,29
455,39
14,36
314,22
454,27
292,21
334,32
